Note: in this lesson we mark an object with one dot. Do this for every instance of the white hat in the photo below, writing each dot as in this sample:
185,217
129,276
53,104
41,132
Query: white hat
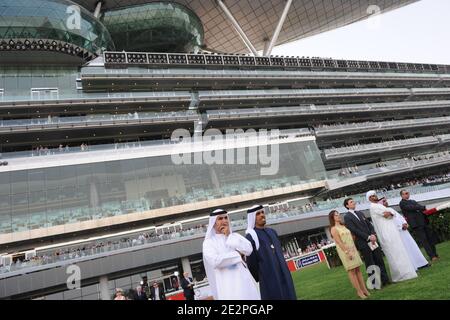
370,193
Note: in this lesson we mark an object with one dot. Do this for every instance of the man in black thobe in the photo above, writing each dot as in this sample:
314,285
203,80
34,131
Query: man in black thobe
414,214
364,233
267,263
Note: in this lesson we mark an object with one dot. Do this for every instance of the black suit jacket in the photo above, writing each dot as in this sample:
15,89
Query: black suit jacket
162,296
413,213
362,229
141,296
188,291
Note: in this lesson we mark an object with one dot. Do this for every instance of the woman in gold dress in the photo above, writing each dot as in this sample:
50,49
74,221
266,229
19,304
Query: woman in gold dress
347,253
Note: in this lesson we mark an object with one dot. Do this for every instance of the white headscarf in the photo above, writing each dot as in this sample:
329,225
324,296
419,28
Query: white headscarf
210,233
369,194
251,221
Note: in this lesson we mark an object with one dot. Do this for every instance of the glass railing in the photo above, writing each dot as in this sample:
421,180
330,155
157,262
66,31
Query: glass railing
382,145
390,165
118,208
156,116
381,125
43,152
136,145
299,92
444,137
429,90
87,97
105,245
315,109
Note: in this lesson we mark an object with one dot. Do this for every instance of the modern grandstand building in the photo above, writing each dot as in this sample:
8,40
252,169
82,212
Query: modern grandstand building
91,92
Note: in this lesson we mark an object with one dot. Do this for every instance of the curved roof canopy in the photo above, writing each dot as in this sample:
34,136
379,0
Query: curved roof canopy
259,18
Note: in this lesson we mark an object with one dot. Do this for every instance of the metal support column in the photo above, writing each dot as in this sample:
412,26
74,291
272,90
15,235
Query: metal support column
103,288
238,28
97,9
186,266
274,39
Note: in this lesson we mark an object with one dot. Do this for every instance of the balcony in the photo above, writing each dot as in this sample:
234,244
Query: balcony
365,149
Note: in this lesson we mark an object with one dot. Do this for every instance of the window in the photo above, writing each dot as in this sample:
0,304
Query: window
79,85
44,93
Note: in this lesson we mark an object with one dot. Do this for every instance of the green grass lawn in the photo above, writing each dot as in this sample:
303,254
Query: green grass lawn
320,283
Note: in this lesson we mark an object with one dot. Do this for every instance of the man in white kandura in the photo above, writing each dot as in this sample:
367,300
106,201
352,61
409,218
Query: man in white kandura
398,259
414,253
223,257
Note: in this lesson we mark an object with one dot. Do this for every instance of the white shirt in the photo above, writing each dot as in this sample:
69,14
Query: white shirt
354,213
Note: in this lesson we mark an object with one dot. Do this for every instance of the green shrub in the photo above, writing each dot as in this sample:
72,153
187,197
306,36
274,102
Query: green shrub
440,224
332,257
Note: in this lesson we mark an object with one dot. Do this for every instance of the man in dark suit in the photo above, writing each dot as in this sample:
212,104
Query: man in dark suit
364,233
188,287
156,292
140,294
414,214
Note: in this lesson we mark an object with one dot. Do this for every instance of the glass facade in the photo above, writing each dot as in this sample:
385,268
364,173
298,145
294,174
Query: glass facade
18,82
52,20
155,27
40,198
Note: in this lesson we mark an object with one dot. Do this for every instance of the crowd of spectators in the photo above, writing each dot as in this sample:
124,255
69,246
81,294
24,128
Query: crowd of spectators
110,244
393,164
144,291
100,246
348,171
311,247
46,151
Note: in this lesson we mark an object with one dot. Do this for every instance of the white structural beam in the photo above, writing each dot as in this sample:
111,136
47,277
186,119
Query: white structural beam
274,39
103,286
266,46
98,7
238,28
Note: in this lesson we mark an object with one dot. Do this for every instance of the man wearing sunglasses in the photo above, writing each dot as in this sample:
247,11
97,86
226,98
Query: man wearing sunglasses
417,220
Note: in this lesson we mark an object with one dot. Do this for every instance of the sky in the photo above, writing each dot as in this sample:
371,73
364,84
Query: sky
418,33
